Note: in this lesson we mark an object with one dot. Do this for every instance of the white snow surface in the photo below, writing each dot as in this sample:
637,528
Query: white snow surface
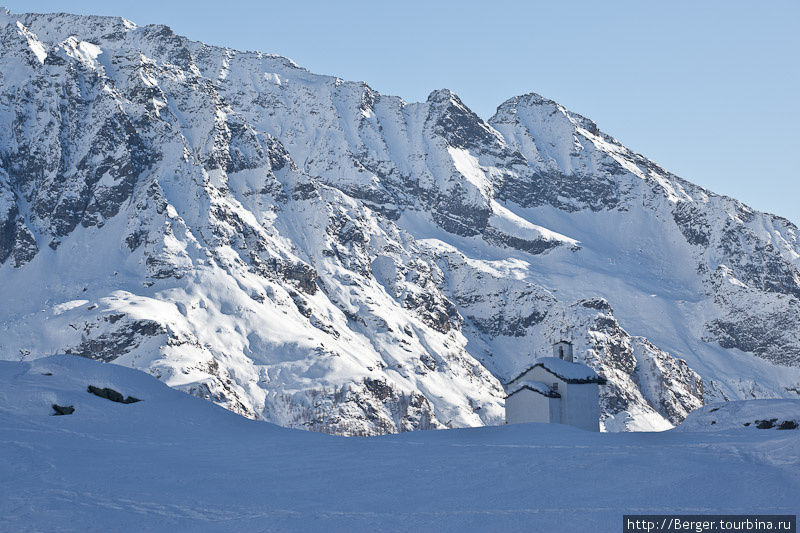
175,463
511,224
744,414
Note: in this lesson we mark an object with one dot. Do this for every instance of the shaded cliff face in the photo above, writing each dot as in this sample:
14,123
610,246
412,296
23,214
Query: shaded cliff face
305,250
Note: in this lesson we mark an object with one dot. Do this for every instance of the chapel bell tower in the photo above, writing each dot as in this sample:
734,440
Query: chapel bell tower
563,350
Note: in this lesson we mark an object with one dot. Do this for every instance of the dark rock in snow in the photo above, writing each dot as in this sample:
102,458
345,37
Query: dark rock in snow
111,394
62,409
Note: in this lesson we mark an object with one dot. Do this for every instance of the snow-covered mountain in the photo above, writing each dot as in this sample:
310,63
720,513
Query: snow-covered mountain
304,250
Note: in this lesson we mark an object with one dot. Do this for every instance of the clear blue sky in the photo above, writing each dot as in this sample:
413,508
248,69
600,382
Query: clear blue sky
710,90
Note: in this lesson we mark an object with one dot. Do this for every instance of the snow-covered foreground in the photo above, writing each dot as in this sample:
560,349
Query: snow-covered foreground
176,463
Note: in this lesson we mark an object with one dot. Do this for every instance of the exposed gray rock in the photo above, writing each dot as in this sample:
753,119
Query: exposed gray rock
63,409
111,394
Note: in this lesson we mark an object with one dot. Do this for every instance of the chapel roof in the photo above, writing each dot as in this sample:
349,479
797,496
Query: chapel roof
535,386
567,371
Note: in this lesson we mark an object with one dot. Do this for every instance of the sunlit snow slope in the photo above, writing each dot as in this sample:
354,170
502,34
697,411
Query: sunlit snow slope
304,250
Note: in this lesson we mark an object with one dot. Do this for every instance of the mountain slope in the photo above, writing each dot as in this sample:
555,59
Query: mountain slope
307,251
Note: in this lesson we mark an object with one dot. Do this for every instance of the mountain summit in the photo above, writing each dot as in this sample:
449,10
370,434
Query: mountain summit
304,250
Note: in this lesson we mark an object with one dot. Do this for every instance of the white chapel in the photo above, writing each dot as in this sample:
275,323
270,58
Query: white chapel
556,390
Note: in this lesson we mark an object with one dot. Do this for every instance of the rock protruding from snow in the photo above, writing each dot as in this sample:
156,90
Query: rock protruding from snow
745,414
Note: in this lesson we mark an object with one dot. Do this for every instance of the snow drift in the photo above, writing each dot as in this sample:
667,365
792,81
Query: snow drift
171,462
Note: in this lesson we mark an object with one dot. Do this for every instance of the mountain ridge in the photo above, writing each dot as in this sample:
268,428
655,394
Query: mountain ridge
308,251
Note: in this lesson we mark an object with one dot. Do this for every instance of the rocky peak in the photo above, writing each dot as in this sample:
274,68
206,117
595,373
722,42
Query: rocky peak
459,125
305,250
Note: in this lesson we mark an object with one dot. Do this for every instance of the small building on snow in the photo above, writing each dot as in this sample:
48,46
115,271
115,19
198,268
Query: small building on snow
555,390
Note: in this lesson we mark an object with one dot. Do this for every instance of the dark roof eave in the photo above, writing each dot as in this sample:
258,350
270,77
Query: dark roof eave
552,394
